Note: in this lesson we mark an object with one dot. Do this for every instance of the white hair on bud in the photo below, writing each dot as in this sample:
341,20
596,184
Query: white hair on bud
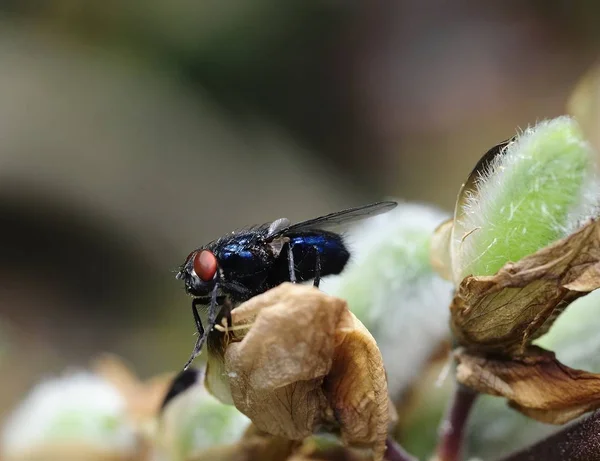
542,187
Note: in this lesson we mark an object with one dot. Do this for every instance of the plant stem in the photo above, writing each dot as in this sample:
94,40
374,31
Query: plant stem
579,442
394,452
453,425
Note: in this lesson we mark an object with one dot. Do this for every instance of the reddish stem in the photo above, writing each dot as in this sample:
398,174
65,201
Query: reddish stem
453,425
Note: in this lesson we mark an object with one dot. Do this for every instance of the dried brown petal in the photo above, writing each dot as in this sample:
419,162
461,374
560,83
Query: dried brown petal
503,313
306,362
356,385
276,372
537,385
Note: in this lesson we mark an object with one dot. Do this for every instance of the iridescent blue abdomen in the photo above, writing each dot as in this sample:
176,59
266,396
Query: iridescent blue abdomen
333,255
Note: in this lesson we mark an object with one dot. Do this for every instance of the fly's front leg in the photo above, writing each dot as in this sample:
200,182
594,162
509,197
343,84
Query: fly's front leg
212,314
227,312
317,268
291,264
199,327
203,301
201,334
226,315
213,309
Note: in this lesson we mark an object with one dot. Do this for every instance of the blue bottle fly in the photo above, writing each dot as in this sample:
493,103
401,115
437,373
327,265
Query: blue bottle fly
243,264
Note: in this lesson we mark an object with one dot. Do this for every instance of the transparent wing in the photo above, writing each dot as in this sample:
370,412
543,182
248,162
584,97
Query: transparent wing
487,159
482,166
338,218
276,226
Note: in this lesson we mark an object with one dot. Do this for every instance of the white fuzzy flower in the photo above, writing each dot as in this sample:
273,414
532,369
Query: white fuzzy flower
391,287
79,408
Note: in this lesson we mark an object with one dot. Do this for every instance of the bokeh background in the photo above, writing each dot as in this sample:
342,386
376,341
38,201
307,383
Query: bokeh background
133,131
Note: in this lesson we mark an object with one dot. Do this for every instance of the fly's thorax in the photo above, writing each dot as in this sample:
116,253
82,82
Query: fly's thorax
245,259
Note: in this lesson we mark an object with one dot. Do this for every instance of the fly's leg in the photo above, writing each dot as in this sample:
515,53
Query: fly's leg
205,300
317,268
201,334
227,312
291,264
213,309
226,315
199,327
212,314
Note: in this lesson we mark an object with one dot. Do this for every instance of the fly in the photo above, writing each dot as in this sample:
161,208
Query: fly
243,264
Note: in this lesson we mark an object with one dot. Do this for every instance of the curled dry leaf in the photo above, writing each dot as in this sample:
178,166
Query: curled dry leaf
503,313
495,319
537,385
297,361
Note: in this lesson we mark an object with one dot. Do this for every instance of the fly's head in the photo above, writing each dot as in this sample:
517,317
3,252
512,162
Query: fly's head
199,272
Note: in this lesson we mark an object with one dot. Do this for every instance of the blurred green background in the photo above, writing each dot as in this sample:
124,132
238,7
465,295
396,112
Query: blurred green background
133,131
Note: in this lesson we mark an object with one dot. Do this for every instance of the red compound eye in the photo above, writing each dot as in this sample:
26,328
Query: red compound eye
205,265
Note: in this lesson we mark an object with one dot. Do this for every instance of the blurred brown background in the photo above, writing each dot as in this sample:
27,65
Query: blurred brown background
133,131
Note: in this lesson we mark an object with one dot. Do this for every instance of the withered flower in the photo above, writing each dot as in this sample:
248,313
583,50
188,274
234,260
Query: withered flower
504,312
391,286
297,360
520,250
